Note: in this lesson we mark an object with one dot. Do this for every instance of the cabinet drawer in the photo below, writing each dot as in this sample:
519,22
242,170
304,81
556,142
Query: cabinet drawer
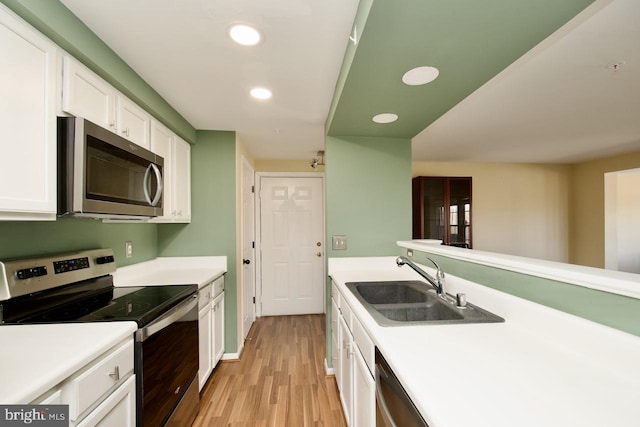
218,286
52,398
83,389
204,296
364,343
346,313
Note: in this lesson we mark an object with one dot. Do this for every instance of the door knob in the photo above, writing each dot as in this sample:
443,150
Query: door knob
246,261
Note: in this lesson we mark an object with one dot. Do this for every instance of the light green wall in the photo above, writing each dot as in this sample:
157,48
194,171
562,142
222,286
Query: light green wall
609,309
212,231
20,239
55,21
368,194
368,199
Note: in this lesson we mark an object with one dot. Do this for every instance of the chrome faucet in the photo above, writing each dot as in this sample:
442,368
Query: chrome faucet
437,282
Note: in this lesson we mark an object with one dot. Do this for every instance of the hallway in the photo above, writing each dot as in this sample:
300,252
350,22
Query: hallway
279,381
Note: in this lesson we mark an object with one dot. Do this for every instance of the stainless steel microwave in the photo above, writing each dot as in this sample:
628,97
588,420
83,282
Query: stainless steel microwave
102,175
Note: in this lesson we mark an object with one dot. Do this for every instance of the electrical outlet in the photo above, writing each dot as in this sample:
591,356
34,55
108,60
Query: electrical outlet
339,243
128,249
409,253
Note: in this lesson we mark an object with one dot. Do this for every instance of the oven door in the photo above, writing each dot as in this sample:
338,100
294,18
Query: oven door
166,363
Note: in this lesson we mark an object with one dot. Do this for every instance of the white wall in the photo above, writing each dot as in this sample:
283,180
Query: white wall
517,209
622,213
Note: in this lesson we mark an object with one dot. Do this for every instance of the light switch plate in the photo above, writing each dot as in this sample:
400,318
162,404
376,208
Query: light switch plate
339,243
128,249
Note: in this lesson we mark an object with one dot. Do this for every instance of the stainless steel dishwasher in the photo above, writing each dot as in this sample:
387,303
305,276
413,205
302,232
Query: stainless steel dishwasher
394,408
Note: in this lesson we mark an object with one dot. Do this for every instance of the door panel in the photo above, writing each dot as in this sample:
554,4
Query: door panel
291,229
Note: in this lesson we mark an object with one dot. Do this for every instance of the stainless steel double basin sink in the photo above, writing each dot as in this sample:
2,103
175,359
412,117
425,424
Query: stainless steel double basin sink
403,303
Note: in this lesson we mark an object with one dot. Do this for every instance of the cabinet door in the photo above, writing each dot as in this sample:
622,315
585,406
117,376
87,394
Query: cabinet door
86,95
28,122
117,410
335,338
133,122
364,393
182,180
162,145
218,328
346,369
205,345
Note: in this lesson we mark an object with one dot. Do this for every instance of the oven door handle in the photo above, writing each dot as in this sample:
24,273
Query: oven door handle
167,319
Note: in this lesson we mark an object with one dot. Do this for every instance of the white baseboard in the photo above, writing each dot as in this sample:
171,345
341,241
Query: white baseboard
327,369
233,356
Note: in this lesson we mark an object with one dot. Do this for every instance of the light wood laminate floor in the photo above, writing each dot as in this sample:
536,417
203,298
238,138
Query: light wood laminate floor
279,380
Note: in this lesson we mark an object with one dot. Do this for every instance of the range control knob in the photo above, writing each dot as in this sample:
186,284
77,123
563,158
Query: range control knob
28,273
24,274
39,271
105,259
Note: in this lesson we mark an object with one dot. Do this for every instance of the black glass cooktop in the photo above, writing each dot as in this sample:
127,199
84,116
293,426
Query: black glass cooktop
96,301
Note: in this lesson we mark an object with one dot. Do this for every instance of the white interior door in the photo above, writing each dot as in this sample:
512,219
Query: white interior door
292,252
248,238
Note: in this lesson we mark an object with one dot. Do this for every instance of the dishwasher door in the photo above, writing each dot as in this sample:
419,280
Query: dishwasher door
394,408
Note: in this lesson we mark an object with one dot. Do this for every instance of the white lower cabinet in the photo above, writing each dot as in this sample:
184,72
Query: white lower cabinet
364,393
218,329
117,410
211,328
28,122
205,335
102,393
346,368
354,364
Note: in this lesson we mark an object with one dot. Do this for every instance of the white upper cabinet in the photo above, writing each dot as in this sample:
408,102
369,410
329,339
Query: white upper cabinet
182,181
85,94
162,144
28,121
133,122
176,173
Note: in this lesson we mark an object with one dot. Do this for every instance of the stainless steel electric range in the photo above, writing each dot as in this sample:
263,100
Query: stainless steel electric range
78,287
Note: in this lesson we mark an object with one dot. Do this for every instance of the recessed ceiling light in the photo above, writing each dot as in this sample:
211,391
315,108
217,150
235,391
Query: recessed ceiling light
244,34
261,93
385,118
420,75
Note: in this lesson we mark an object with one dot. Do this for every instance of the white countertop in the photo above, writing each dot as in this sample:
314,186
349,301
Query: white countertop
618,282
541,367
36,358
172,271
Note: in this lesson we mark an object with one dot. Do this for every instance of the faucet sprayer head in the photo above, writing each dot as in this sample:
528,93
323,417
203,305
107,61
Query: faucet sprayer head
401,261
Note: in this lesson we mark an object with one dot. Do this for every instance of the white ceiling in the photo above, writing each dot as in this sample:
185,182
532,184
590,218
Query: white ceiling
181,49
559,103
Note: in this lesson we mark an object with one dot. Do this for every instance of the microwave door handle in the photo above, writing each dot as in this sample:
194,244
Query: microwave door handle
159,186
145,187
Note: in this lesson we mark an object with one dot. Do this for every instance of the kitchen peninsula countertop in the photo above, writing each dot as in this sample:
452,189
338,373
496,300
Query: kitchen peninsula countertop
542,367
160,271
36,358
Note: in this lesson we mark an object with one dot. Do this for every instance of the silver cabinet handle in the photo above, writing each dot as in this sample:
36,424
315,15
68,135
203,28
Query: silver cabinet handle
116,373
